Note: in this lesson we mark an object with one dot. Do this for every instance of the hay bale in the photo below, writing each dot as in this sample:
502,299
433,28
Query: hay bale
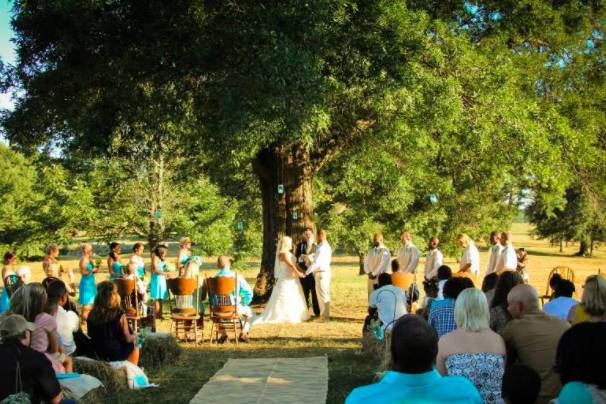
158,349
114,380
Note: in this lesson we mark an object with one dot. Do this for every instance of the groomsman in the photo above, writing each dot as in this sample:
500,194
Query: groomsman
508,259
494,251
320,267
304,254
470,257
434,259
377,262
408,254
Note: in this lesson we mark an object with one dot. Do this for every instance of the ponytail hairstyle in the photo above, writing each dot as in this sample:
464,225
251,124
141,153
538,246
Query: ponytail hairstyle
112,246
9,256
160,251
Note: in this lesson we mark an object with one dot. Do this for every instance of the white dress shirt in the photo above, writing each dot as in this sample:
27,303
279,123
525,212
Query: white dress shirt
508,259
390,302
322,259
471,255
433,261
493,259
408,258
378,261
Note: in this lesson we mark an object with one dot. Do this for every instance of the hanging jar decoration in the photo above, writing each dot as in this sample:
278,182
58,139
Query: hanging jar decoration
280,189
158,214
433,199
240,226
295,215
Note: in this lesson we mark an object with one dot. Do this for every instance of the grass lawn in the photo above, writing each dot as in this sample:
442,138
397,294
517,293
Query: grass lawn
338,339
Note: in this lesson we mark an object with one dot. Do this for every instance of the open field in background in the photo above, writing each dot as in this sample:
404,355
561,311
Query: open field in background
339,339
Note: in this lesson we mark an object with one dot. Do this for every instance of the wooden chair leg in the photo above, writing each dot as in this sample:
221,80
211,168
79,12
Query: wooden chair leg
236,333
195,333
212,326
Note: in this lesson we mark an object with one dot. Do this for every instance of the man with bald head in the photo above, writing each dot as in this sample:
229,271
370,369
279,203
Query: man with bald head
532,338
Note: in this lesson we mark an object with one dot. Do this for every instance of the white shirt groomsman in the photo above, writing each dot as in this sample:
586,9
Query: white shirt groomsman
434,259
377,262
508,259
408,254
320,267
470,257
494,252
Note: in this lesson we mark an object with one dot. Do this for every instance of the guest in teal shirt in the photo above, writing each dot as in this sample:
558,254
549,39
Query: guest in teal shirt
580,363
414,347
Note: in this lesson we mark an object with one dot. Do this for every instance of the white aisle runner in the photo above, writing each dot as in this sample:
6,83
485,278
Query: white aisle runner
268,380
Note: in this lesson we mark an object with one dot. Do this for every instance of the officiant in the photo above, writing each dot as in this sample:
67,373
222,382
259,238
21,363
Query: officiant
304,254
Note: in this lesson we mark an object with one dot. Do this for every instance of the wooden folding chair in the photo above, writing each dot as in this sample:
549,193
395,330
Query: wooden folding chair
222,296
565,272
184,301
127,289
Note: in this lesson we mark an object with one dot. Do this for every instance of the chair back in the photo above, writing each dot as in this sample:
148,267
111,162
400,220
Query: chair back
128,297
221,295
184,293
403,280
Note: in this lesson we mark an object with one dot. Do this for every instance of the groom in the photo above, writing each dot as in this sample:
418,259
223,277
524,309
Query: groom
320,267
304,253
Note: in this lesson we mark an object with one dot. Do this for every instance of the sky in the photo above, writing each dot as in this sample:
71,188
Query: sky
7,51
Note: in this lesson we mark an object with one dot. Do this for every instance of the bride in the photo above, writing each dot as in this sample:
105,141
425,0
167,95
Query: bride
287,303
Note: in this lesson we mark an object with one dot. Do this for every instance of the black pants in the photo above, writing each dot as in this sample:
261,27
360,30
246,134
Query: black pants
309,287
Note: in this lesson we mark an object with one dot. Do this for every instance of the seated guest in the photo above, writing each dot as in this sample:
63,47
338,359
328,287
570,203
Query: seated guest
30,301
389,300
130,272
441,315
521,384
553,281
444,274
68,322
414,346
593,303
499,316
242,298
562,303
108,328
532,338
488,286
36,374
580,363
473,350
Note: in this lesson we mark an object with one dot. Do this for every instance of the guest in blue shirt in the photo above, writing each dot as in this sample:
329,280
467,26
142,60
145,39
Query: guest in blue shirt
242,297
414,347
441,315
562,303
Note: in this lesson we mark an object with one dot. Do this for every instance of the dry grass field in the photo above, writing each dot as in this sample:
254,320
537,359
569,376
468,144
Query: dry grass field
338,339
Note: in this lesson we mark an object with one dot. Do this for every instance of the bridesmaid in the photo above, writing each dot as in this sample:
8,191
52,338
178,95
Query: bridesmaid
113,261
8,269
88,286
184,253
53,269
159,291
137,259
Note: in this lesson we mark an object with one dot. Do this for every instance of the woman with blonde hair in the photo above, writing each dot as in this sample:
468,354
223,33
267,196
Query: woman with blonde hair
88,284
53,268
184,252
108,329
473,350
593,304
287,302
30,301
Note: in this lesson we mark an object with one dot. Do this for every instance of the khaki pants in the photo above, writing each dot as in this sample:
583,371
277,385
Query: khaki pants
323,292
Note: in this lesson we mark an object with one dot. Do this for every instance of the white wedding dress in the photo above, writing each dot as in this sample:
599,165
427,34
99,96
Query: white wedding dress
287,302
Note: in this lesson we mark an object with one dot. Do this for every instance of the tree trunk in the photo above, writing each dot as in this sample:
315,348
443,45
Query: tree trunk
561,244
583,247
285,175
156,221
